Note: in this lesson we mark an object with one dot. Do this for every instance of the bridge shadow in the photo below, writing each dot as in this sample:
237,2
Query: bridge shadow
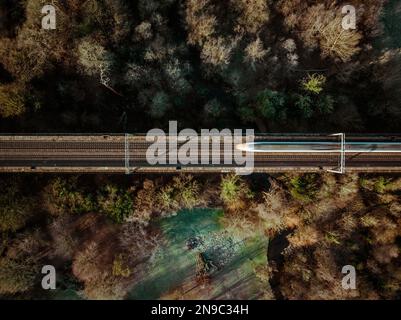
373,148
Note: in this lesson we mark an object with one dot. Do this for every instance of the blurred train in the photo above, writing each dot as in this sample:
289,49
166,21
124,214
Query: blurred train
319,146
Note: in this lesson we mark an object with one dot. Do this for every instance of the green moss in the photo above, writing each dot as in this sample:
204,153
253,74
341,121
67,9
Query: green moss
175,265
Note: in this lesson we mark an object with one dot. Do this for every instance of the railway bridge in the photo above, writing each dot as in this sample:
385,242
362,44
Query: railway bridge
126,153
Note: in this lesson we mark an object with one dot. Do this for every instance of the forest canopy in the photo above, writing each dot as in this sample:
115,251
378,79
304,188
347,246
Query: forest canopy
105,241
202,62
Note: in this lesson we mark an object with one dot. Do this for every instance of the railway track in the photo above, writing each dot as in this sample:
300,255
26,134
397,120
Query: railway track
94,154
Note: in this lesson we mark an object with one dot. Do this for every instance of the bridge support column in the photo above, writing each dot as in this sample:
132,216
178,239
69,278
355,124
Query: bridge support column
126,148
341,168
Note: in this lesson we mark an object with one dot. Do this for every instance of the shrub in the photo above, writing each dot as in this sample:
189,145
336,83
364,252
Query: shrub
31,52
304,104
17,275
336,42
15,209
145,203
117,204
255,52
92,57
246,113
253,14
322,27
63,196
143,31
89,267
332,238
181,192
213,108
12,102
217,51
187,191
200,21
176,73
230,188
64,242
167,199
271,104
120,269
385,253
314,83
105,287
138,241
15,216
159,105
240,225
325,104
369,220
234,192
85,265
381,184
304,187
303,236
